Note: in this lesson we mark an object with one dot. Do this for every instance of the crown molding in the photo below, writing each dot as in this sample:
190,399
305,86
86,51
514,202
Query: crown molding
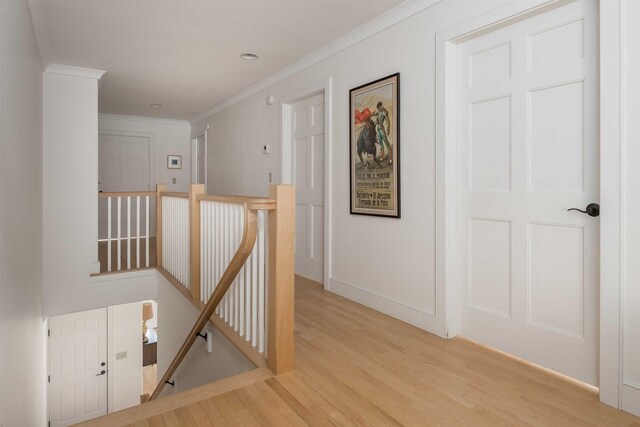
142,119
392,17
67,70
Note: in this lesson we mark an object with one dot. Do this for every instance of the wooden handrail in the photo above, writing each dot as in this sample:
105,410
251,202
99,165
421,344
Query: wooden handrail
255,203
174,194
229,275
106,194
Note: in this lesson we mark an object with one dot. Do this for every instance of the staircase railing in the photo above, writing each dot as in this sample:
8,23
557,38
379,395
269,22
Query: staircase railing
231,245
125,240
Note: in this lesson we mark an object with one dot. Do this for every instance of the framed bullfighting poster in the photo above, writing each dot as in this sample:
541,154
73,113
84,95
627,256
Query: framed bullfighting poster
374,124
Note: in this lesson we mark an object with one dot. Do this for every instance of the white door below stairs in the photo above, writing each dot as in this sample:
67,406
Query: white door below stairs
77,367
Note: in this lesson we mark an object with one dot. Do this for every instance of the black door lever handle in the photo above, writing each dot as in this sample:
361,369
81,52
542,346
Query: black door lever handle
593,209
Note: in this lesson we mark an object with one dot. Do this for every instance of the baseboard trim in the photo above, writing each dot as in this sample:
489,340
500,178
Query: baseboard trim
411,315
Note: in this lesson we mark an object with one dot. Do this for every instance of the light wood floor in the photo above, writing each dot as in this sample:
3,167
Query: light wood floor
149,378
355,366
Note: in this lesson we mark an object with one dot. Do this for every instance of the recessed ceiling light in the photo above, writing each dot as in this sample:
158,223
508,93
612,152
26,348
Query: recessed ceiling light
156,105
249,56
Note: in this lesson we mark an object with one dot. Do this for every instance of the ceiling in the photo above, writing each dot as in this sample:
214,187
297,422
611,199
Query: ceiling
185,54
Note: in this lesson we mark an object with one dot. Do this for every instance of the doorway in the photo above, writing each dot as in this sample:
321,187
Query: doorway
199,159
526,132
306,130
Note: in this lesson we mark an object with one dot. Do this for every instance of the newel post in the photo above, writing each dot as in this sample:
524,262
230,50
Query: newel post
194,239
280,345
159,189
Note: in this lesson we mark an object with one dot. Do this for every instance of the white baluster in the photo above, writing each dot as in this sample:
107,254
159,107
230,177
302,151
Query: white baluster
128,232
203,251
138,231
254,297
108,233
165,246
147,232
217,241
119,251
261,271
233,236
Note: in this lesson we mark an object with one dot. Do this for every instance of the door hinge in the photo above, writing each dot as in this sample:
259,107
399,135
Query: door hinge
48,332
48,378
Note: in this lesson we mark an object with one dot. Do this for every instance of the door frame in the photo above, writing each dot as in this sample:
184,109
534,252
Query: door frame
286,156
194,156
610,173
152,149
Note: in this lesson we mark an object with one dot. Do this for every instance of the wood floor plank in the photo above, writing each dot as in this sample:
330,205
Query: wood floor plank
220,413
310,399
242,410
156,421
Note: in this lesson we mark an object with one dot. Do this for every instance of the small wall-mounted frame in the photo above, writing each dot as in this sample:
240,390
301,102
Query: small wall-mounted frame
174,162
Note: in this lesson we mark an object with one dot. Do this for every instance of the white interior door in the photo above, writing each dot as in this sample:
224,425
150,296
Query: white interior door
123,165
528,151
308,175
77,367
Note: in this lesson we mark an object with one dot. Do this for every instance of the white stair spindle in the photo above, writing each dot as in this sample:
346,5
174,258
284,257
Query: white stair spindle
108,233
119,250
261,288
137,231
148,235
128,232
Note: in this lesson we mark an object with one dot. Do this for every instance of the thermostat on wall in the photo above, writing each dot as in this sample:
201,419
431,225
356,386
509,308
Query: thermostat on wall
266,149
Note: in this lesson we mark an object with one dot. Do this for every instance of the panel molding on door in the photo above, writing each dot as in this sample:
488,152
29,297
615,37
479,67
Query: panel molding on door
527,152
308,150
77,367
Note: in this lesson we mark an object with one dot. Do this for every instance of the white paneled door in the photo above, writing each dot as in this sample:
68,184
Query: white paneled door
77,367
123,162
527,151
123,165
308,176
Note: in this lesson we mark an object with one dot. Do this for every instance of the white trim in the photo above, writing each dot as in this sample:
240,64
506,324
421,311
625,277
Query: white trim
125,275
142,119
67,70
286,160
611,201
392,17
404,312
194,156
111,361
152,149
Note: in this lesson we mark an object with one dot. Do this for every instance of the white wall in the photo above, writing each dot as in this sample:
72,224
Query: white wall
125,374
388,264
70,203
176,316
22,330
168,137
